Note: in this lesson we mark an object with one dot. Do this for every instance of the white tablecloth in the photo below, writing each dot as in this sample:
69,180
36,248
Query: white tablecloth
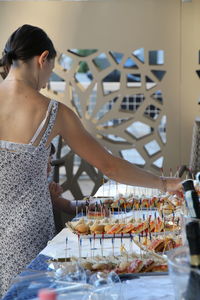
57,247
143,288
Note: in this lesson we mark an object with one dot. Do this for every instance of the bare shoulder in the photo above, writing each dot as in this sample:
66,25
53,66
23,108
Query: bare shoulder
65,112
68,123
64,109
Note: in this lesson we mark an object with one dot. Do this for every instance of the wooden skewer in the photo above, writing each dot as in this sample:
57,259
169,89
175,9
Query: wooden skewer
66,244
118,207
94,238
100,240
116,188
90,246
79,251
131,243
113,252
76,208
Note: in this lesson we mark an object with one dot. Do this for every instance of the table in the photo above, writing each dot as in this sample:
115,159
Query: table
142,288
151,287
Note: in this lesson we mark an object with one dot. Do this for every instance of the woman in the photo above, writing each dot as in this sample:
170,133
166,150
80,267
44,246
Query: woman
29,121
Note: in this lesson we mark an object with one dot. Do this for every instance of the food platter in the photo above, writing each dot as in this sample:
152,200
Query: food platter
118,235
149,226
123,228
139,266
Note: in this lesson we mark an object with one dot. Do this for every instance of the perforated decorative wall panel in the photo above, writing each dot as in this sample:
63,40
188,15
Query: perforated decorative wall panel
119,99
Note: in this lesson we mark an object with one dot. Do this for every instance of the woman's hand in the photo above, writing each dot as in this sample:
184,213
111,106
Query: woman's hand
55,190
173,185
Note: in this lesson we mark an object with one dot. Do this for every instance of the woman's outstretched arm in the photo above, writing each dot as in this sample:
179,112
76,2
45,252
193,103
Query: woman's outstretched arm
81,142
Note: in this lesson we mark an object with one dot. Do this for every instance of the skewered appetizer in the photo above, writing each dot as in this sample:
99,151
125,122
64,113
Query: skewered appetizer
132,263
166,202
131,226
162,245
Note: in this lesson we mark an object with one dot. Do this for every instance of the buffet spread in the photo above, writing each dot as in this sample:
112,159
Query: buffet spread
138,226
135,235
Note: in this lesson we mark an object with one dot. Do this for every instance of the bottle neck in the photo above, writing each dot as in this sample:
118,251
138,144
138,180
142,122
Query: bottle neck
195,261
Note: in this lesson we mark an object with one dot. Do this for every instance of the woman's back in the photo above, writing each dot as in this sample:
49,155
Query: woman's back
22,110
26,217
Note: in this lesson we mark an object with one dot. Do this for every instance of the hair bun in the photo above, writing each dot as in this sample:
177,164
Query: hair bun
11,55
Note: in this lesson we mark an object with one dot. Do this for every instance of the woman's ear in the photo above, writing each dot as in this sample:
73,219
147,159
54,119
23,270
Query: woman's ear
43,57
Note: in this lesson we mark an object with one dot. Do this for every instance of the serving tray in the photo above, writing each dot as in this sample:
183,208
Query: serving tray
121,235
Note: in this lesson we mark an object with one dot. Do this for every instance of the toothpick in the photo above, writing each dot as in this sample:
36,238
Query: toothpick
116,188
66,244
76,208
80,247
104,211
113,210
118,207
100,240
139,242
94,236
90,246
101,207
79,251
86,211
95,210
121,239
124,204
164,228
131,243
133,203
113,246
150,237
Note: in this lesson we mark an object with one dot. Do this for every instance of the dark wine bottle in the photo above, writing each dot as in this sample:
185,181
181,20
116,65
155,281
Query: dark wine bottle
193,236
191,198
197,176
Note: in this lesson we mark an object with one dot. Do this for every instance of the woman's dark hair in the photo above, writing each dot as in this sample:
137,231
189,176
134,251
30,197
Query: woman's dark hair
25,43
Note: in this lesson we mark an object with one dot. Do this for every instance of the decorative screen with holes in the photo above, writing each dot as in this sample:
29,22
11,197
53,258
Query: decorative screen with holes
118,97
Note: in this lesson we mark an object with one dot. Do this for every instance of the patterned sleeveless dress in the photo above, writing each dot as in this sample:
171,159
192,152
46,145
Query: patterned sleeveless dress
26,216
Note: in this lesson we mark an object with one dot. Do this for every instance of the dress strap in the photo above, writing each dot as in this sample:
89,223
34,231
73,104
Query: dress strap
51,123
41,124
